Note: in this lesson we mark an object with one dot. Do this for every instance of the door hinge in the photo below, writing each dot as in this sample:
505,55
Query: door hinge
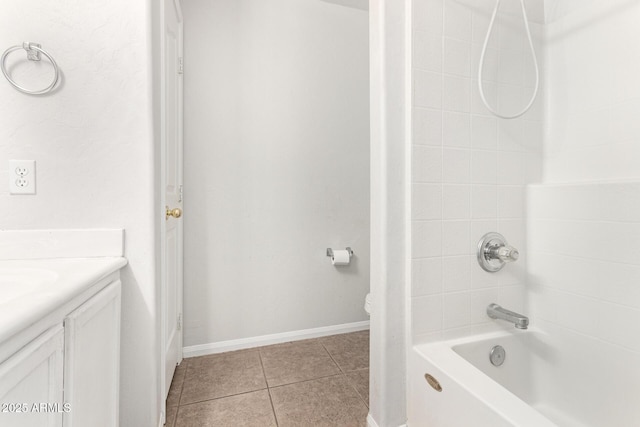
179,323
180,65
180,193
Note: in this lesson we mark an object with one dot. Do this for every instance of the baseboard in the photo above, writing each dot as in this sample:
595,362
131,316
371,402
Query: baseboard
240,344
371,422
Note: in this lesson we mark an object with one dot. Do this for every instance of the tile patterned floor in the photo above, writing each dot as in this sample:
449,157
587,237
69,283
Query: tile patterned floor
312,383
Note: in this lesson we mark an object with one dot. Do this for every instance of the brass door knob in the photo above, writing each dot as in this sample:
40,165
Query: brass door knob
176,213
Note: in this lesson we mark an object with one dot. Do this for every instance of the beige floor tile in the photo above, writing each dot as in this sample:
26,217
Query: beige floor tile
350,351
176,385
171,416
360,381
297,361
243,410
325,402
220,375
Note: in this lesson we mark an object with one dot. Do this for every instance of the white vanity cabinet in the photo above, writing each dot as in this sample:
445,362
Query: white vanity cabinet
68,376
31,377
92,360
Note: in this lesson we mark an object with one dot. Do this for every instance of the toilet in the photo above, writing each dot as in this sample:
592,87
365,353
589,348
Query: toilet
367,304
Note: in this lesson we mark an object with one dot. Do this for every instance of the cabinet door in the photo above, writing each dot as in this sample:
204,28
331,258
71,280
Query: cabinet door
92,360
31,383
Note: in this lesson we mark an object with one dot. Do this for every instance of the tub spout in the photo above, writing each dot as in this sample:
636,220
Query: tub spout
494,311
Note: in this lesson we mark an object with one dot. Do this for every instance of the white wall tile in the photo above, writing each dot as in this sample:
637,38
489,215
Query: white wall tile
510,99
621,326
455,237
479,301
426,203
480,24
457,57
484,132
511,68
490,93
456,310
457,20
456,130
427,89
511,168
427,127
427,51
619,283
490,66
511,33
426,164
456,166
426,239
426,276
481,279
426,314
484,201
456,273
512,298
532,136
427,16
510,135
484,167
511,201
458,90
456,201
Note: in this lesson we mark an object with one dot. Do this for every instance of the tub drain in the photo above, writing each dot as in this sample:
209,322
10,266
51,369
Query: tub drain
497,355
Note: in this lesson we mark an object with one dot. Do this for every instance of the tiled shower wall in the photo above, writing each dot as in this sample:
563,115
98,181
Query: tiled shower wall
594,91
469,169
584,228
584,246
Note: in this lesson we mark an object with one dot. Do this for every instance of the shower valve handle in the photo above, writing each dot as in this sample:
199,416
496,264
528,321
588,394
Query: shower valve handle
494,252
506,253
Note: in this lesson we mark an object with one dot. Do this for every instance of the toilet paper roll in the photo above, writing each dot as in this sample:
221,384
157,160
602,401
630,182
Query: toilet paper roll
340,257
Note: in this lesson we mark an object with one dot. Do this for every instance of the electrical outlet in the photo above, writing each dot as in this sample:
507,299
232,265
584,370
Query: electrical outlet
22,177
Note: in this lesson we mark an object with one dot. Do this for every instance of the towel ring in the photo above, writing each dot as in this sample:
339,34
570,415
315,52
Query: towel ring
33,54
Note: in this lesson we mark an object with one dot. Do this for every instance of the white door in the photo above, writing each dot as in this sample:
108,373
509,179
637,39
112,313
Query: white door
172,177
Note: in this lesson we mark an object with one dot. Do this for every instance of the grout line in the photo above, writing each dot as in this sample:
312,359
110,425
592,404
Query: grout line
177,407
184,379
344,374
306,381
331,357
264,375
221,397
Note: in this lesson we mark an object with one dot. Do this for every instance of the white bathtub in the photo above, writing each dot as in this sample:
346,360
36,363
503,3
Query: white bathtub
560,379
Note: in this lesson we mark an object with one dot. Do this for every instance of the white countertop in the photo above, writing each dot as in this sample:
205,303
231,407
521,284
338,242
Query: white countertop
32,289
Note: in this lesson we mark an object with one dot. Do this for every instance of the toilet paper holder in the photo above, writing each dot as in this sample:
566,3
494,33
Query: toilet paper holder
330,252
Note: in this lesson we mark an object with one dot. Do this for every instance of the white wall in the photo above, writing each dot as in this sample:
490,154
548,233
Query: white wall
276,166
93,143
469,169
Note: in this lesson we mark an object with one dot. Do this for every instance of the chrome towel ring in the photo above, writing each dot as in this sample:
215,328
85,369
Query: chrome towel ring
33,54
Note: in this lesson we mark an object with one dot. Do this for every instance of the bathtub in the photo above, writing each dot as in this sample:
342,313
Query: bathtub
560,379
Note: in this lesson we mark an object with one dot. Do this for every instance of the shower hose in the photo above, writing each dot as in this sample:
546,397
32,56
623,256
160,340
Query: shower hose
533,54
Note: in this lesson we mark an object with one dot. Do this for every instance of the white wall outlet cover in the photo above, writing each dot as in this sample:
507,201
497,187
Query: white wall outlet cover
22,177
